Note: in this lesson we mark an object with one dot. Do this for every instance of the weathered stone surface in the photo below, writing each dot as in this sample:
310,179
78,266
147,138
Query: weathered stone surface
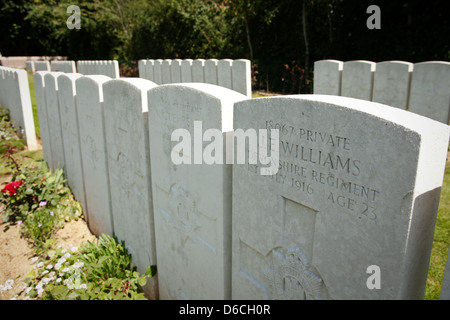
42,66
242,77
70,135
328,77
430,94
109,68
41,104
198,72
211,71
15,96
192,202
356,191
175,71
224,76
63,66
357,79
166,66
392,82
128,156
186,70
54,120
93,153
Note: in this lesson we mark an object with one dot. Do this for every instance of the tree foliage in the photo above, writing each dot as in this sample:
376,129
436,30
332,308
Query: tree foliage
283,38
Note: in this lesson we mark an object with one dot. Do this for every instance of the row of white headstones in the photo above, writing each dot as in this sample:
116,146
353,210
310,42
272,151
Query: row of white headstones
422,88
357,187
227,73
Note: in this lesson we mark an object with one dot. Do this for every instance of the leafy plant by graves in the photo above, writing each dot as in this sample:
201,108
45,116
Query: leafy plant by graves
100,270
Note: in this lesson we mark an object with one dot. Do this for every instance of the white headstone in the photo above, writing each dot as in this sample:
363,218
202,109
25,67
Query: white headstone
198,70
63,66
175,71
211,71
42,66
186,70
93,153
54,120
41,104
109,68
166,71
126,129
71,138
430,90
357,79
149,70
30,66
157,71
349,214
142,68
15,96
192,202
242,77
392,83
327,77
224,77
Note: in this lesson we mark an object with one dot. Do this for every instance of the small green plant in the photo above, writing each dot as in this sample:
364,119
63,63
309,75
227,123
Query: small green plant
41,225
97,271
8,137
36,185
40,201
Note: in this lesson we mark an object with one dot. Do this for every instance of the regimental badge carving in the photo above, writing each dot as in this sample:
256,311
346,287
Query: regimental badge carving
292,278
184,212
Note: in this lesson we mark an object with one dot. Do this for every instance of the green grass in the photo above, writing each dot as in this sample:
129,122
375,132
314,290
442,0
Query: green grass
33,104
441,242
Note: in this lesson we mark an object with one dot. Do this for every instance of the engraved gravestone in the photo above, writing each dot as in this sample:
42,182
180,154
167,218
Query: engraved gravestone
357,79
69,124
126,131
430,94
327,77
39,87
357,186
54,120
192,201
93,152
392,82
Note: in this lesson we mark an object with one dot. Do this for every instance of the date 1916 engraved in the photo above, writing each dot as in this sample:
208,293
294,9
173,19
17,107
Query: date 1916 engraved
312,171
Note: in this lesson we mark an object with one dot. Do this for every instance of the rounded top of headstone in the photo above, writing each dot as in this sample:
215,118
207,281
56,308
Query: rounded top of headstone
212,90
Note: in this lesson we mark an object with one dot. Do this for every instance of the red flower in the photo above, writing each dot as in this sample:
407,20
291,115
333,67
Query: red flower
11,188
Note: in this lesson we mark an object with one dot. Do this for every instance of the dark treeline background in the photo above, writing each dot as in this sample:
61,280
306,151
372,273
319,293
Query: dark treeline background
282,38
